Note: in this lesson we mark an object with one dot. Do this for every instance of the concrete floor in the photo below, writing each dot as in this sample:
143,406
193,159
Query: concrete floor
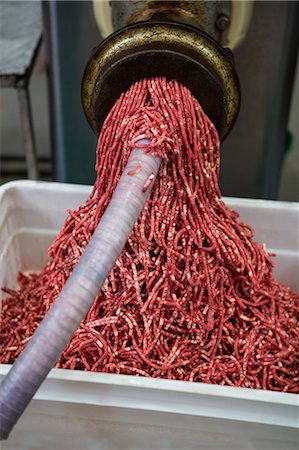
11,143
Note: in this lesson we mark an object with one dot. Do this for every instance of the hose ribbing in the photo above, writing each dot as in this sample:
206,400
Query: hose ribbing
79,292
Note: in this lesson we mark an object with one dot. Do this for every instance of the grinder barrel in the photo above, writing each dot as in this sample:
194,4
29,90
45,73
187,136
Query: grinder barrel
169,49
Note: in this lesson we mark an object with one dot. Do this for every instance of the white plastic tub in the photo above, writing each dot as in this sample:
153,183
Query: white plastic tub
79,410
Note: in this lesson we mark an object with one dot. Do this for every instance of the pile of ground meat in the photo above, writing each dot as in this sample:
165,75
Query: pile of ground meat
192,296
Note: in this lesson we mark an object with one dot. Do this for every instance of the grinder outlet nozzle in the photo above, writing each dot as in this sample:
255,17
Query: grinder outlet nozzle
168,49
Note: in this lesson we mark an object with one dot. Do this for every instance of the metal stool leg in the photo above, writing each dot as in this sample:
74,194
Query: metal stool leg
28,132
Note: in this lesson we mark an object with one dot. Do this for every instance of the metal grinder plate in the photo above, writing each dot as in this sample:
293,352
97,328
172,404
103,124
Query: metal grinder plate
169,49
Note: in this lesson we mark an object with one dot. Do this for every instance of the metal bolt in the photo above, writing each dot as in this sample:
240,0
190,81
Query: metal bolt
222,22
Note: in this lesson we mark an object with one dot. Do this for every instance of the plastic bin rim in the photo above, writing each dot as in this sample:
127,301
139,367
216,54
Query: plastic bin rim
185,387
53,186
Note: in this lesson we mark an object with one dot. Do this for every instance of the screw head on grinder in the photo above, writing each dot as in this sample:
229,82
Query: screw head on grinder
169,49
222,22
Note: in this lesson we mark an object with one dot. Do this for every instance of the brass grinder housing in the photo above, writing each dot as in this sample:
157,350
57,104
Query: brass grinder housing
169,49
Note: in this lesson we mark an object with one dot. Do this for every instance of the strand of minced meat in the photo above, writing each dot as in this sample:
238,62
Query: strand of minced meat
192,296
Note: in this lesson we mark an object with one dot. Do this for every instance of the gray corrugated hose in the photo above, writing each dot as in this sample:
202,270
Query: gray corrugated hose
79,292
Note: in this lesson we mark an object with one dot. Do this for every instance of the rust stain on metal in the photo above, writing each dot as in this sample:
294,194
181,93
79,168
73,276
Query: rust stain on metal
162,49
180,11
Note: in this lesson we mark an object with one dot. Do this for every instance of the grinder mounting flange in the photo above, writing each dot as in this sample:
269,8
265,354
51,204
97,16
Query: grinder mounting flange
169,49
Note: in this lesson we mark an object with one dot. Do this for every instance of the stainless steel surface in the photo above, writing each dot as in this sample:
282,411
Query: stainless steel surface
20,37
200,13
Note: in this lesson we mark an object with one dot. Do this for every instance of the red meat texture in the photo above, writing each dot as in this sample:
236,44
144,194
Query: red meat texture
192,296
